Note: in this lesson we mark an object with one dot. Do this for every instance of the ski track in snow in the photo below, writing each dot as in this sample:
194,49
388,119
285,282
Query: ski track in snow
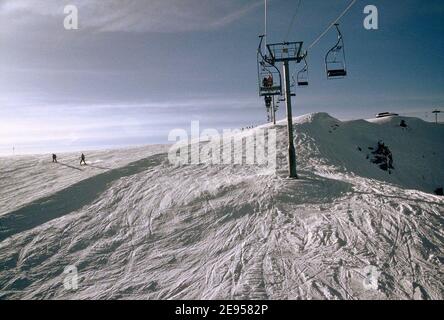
139,228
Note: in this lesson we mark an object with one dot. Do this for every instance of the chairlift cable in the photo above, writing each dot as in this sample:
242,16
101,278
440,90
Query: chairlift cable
265,24
332,24
293,19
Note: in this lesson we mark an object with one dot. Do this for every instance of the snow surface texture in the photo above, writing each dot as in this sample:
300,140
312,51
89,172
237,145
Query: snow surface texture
136,227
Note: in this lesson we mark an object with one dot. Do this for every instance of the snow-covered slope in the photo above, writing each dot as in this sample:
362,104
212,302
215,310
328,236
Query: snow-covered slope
27,178
141,228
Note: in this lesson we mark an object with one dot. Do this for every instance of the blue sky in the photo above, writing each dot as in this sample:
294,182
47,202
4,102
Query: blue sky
137,69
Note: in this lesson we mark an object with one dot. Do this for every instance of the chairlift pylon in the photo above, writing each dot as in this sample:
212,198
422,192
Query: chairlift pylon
335,63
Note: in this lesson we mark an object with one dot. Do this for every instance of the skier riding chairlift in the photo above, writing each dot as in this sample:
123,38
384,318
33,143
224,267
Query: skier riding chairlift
267,82
270,81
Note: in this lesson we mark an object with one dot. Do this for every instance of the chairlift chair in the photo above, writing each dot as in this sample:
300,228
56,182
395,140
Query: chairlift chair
302,76
335,62
269,76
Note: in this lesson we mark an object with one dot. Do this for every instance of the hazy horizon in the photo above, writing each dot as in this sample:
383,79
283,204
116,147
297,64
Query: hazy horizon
133,72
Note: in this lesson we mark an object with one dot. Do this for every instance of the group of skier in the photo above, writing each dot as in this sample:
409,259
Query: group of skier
82,159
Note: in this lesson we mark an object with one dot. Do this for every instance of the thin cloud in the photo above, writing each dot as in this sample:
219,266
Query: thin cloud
129,15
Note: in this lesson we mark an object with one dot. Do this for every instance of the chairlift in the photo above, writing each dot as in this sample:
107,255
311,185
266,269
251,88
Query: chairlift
302,76
335,62
269,76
